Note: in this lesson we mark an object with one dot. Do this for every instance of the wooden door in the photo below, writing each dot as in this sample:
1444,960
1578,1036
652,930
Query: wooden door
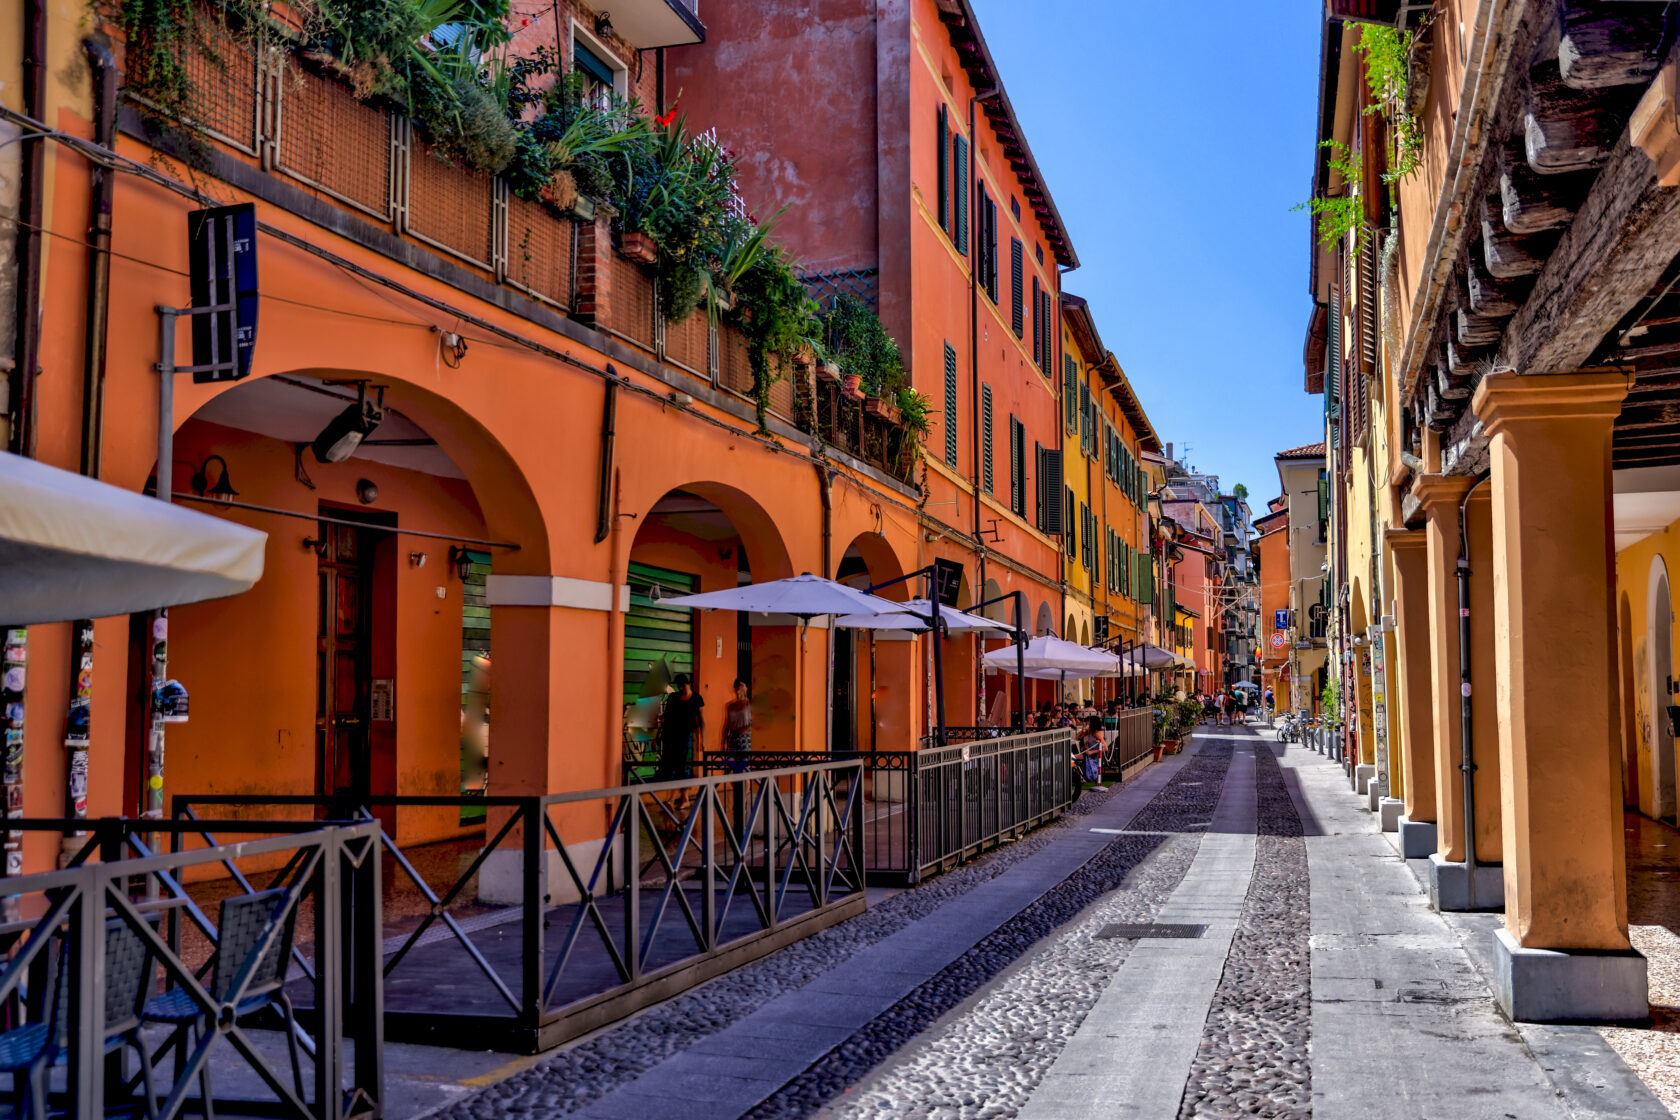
343,646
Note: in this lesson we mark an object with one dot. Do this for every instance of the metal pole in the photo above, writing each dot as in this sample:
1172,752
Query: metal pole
151,799
1021,656
1467,756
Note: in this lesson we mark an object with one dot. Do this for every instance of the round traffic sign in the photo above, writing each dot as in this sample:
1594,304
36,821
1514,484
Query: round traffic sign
1277,641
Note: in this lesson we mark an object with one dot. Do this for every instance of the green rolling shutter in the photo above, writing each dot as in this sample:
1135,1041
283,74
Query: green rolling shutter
950,405
652,632
962,188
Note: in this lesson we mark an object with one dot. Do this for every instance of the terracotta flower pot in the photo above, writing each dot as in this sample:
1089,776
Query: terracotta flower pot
1157,751
852,386
639,247
828,371
875,406
560,193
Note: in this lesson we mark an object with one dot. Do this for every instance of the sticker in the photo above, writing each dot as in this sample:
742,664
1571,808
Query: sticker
155,781
13,679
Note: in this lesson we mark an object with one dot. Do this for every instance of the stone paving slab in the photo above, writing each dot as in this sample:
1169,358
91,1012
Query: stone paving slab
1404,1025
1132,1054
882,978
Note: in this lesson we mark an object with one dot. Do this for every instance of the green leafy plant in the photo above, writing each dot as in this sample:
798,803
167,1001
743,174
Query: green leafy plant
1387,53
1337,216
860,345
1330,700
777,316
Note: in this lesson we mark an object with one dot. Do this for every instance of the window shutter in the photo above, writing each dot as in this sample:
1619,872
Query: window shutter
1038,329
986,437
992,251
1017,296
1050,512
950,405
1070,392
1084,418
1069,538
1051,333
963,188
1015,479
944,170
1146,578
1021,457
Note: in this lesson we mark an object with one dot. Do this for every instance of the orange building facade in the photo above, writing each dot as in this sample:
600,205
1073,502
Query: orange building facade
552,457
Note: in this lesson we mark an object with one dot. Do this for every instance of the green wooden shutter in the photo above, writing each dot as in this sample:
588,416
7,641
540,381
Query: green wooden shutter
1015,479
950,405
1038,328
1070,539
962,189
986,437
1016,293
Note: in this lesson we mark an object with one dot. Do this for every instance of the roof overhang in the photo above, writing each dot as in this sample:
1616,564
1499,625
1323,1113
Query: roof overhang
959,19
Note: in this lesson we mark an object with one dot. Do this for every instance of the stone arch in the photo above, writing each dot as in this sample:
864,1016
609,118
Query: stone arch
1659,637
446,491
872,693
1358,685
1046,621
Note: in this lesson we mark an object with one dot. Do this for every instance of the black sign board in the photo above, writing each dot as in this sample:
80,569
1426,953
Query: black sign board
948,576
1099,629
222,248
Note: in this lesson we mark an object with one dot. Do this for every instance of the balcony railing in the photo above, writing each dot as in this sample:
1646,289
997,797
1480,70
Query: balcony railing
309,131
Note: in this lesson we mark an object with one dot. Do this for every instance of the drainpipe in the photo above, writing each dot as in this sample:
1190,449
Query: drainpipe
604,521
21,389
825,490
1467,758
99,258
974,367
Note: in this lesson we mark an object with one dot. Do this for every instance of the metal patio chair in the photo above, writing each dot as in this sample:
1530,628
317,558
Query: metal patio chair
27,1052
243,921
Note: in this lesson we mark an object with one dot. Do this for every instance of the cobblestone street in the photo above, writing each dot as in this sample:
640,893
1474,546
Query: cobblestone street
1288,956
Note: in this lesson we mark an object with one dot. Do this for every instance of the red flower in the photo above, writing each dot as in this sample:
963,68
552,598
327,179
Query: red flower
664,120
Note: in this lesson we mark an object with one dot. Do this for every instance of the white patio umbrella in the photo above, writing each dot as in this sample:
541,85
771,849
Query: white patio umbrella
74,547
1250,685
804,596
1048,652
912,614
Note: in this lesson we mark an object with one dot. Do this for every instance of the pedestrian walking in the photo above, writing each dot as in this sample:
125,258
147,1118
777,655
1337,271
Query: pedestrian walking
680,725
1220,704
738,724
1091,751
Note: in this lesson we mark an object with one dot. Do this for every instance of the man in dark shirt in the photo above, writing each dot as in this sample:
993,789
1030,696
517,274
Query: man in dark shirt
679,729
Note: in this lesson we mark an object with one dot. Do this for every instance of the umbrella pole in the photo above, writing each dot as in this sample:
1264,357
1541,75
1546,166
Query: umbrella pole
938,665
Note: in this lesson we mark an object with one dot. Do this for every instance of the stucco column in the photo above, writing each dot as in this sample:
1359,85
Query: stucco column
1413,699
1565,869
1440,496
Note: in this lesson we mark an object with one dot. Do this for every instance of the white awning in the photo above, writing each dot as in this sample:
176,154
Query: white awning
72,547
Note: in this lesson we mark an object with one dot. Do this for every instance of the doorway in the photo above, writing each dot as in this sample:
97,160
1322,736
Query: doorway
354,689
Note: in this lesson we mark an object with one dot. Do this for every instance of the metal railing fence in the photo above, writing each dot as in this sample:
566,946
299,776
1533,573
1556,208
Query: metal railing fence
116,915
581,908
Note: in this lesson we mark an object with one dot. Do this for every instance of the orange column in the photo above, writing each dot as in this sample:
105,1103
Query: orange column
1414,695
1565,871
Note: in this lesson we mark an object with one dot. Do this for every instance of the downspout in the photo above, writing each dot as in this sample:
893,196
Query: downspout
604,486
21,388
825,491
1467,757
99,258
977,668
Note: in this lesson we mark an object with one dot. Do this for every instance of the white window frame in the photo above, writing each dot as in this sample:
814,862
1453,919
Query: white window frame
620,69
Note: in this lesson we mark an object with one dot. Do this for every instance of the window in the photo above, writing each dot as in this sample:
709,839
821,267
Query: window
1017,469
985,234
597,72
944,170
960,190
1050,482
1039,249
1047,361
950,405
1017,296
1087,545
1021,457
1015,207
1070,540
986,438
1085,418
1070,393
1038,330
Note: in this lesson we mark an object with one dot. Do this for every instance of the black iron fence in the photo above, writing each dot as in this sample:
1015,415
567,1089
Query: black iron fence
580,908
1134,739
927,810
88,945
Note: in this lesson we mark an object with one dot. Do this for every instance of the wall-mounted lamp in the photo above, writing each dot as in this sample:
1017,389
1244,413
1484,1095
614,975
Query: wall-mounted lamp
345,432
222,490
367,491
315,545
681,400
462,559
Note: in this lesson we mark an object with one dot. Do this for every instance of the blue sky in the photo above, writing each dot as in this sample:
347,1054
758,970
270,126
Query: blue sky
1175,139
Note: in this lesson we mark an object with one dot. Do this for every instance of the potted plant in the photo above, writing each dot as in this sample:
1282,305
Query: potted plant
851,384
875,405
639,247
828,371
